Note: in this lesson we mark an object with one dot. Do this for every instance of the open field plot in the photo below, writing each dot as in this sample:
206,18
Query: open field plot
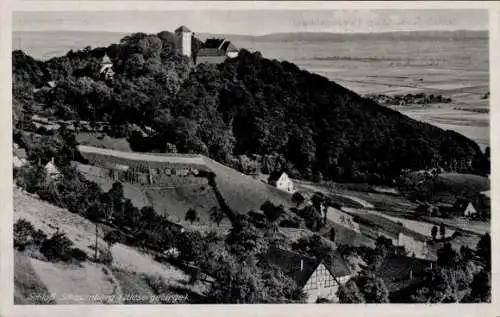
103,141
174,202
421,227
477,227
470,181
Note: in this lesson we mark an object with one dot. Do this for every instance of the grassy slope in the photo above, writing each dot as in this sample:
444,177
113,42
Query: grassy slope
242,192
28,288
37,277
456,181
47,218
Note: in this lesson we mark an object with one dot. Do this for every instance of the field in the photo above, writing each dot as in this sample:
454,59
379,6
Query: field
91,139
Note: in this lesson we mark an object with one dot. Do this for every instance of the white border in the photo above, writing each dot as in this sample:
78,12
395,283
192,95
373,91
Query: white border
385,310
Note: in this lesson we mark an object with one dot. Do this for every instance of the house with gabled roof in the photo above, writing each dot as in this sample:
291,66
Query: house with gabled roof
464,208
318,278
280,180
215,51
106,70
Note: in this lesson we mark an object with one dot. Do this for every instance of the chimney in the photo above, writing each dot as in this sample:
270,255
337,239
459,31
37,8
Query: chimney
301,265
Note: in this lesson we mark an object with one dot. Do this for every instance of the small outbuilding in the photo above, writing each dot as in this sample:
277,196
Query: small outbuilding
281,181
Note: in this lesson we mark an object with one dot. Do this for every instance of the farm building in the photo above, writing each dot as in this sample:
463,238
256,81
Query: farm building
281,181
215,51
464,208
319,279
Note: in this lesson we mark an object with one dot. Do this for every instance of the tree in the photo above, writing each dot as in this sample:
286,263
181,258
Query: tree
349,293
298,198
332,234
217,215
434,231
480,287
243,238
447,256
483,250
271,211
442,230
191,215
372,288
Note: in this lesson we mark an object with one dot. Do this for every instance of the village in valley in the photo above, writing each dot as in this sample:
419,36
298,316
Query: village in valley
97,204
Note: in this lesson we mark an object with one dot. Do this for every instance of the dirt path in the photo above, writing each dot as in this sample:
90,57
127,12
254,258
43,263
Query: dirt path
357,200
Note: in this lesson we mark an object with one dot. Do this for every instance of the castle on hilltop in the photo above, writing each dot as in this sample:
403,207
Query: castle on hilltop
212,51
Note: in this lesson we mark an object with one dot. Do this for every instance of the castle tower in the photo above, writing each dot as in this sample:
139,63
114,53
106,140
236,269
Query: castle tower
183,40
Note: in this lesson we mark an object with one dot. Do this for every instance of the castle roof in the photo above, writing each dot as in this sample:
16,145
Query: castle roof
182,28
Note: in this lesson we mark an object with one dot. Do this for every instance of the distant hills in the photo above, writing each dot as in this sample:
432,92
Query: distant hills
338,37
43,44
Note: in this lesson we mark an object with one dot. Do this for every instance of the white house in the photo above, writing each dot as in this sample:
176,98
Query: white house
464,208
281,181
318,278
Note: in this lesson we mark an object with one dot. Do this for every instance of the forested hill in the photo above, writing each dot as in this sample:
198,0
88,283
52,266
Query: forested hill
249,112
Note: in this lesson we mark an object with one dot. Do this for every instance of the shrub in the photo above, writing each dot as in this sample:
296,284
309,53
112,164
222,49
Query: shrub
105,256
114,236
58,247
25,235
78,254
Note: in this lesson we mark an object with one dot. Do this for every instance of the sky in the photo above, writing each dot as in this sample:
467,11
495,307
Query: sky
253,22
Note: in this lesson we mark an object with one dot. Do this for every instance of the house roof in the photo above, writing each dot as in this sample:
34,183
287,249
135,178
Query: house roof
274,176
216,47
290,264
395,271
213,43
461,204
210,52
228,47
182,28
336,265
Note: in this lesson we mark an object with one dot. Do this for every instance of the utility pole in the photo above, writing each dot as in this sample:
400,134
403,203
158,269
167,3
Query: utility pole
96,242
